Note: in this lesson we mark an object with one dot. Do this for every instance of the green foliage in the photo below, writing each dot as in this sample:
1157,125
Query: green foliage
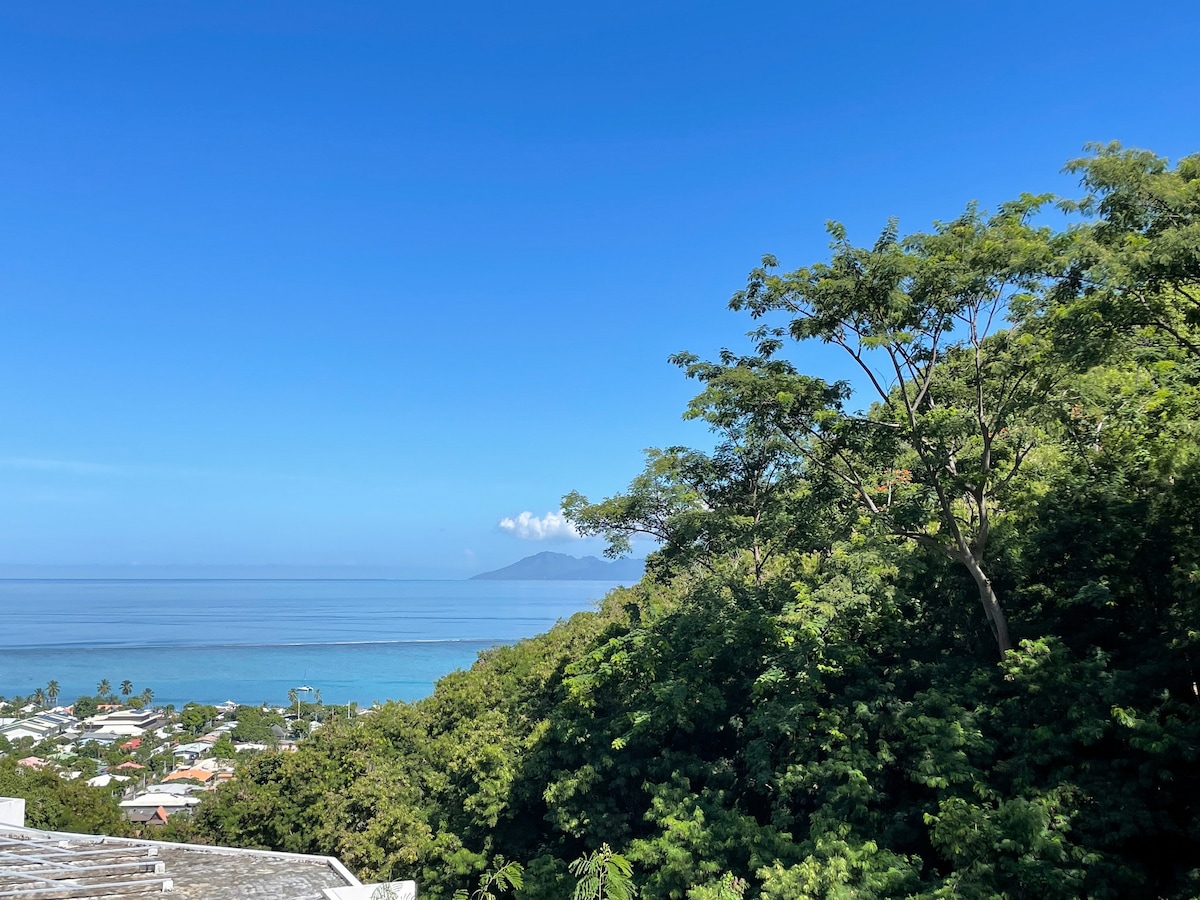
504,878
196,717
224,749
85,706
254,725
801,700
60,805
603,875
1135,264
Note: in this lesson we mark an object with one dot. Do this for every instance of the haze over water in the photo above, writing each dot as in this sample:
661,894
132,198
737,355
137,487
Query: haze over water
253,640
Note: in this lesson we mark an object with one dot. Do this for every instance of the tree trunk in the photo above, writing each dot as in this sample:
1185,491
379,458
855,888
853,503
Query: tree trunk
990,603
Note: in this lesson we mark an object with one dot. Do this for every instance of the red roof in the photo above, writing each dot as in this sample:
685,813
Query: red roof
130,765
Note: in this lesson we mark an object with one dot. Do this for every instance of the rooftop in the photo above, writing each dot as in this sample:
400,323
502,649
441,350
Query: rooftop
39,865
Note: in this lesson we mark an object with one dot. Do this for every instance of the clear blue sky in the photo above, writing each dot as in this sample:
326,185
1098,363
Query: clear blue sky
349,283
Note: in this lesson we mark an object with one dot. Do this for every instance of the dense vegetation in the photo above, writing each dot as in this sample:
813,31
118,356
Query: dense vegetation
941,645
58,804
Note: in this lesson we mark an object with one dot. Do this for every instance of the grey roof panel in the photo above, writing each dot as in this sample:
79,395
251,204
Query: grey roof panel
39,865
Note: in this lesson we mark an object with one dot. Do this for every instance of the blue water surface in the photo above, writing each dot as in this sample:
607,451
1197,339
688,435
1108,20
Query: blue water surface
252,640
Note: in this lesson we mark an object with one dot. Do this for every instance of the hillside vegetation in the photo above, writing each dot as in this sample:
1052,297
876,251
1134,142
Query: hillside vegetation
940,642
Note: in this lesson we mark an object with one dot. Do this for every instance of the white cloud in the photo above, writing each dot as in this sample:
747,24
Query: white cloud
553,526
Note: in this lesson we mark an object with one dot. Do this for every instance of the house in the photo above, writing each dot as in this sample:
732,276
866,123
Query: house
204,776
124,722
27,729
178,787
191,750
139,808
104,738
156,817
77,866
33,762
40,727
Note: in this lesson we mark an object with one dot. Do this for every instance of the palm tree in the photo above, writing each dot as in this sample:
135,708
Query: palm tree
147,696
52,692
103,688
39,697
126,687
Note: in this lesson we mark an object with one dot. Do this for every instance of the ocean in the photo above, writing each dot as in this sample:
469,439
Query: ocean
252,640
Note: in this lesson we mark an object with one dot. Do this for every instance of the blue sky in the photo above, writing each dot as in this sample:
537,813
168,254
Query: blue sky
349,284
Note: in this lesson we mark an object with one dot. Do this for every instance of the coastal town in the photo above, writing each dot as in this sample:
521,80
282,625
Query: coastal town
154,764
158,761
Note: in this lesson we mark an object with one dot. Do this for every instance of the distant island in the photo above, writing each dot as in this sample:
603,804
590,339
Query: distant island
549,566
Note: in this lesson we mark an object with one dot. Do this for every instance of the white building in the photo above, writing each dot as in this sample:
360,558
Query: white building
124,722
39,727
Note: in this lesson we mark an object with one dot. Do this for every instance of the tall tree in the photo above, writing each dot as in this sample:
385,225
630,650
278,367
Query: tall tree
52,690
921,318
744,504
702,509
1135,262
126,687
104,688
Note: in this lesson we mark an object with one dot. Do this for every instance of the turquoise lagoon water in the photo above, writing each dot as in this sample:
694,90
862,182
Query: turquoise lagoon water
252,640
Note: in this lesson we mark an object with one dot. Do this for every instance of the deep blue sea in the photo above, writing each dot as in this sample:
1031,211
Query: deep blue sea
252,640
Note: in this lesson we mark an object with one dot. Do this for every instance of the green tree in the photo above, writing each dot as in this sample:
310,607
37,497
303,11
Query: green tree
57,804
1136,261
104,688
918,316
812,719
147,696
52,690
703,509
603,875
85,706
224,749
196,716
39,696
503,878
126,687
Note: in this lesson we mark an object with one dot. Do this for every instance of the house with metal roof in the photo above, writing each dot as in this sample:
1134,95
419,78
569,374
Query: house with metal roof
147,803
124,722
40,727
45,865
